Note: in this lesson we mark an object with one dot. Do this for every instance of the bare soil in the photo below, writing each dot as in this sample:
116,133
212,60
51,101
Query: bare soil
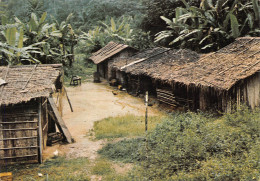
92,102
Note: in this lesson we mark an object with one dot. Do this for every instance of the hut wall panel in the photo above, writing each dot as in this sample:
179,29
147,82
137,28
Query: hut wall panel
18,139
203,100
166,96
125,53
102,69
120,77
253,91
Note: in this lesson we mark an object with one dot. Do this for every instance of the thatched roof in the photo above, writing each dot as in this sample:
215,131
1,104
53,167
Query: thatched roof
224,68
163,64
108,51
117,65
27,82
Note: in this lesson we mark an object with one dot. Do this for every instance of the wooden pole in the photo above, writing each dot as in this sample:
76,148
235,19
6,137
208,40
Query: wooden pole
68,99
40,131
146,111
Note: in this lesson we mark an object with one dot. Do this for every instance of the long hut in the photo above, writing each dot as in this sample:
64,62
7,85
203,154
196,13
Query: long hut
28,112
149,72
112,52
222,80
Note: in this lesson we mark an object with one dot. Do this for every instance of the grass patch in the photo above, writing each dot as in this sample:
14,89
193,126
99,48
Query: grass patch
56,169
102,167
124,126
125,150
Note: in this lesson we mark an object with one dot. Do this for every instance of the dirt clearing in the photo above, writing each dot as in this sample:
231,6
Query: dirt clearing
92,102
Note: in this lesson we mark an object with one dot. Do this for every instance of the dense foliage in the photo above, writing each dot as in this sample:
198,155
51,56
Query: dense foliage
36,41
200,25
194,147
154,9
212,25
66,28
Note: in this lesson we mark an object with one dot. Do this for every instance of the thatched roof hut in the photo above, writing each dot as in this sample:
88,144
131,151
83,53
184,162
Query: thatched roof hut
107,51
27,82
111,52
227,77
143,55
163,64
224,68
149,68
28,113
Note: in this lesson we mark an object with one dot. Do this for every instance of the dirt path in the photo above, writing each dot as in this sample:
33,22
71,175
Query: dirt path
92,102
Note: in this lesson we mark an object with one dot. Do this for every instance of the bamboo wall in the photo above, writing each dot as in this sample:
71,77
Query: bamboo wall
19,133
22,134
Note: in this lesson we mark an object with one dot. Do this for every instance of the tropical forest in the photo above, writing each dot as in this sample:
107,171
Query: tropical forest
121,137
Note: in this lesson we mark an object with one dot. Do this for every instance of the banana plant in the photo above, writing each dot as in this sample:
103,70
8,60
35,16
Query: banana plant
12,49
119,29
67,39
212,25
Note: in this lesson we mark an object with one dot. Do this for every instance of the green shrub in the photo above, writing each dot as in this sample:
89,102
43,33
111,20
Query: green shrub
193,146
125,150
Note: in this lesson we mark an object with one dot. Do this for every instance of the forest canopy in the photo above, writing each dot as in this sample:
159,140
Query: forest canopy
53,31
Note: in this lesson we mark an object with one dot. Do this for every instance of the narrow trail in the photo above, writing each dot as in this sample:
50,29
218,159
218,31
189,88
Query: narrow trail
92,102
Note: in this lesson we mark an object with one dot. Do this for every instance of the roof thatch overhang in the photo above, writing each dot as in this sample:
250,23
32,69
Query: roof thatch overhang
27,82
110,50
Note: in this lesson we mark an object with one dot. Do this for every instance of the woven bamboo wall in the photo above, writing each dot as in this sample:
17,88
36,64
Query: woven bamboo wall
19,133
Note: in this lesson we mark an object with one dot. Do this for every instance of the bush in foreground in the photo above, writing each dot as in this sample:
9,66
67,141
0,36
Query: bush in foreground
194,147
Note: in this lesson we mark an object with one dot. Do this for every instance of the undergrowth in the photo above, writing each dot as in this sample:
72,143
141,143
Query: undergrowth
80,68
55,170
124,126
192,146
125,150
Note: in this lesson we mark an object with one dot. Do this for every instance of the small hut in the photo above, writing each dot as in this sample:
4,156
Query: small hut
28,112
224,79
112,52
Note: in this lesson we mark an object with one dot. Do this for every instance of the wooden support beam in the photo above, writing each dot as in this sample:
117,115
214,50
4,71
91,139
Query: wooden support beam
18,122
24,156
59,121
14,148
19,129
40,141
68,99
21,138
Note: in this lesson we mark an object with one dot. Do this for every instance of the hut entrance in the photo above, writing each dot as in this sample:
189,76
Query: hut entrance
140,84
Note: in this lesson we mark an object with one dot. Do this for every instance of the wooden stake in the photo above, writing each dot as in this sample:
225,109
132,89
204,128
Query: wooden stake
68,100
146,111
